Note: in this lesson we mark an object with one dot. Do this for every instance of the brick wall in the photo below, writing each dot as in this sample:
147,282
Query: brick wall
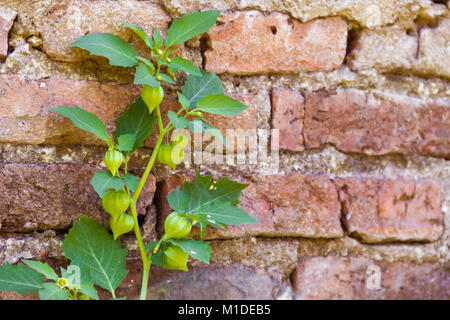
360,94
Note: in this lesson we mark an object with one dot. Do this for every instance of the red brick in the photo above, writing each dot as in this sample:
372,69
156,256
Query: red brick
250,42
382,210
291,205
288,113
216,283
7,18
357,121
40,196
25,115
69,20
346,278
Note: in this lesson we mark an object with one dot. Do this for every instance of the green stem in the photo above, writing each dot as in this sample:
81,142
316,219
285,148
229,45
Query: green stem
146,262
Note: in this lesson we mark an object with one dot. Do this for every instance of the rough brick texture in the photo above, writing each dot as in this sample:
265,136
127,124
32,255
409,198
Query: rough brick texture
59,28
25,115
378,210
395,50
250,43
39,197
340,278
6,21
357,121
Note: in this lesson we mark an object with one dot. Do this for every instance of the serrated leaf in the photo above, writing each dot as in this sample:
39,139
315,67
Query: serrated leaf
91,247
144,75
85,120
126,142
42,268
190,25
88,289
102,181
19,279
51,291
221,104
178,63
84,283
118,51
213,200
199,250
131,181
136,120
178,123
138,30
198,126
196,88
183,101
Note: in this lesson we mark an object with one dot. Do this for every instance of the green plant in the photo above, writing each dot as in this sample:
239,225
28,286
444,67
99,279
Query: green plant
201,203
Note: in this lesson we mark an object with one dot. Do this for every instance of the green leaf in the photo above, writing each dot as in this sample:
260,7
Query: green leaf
102,181
178,123
118,51
199,126
221,104
199,250
196,88
147,62
126,142
131,181
166,78
136,120
42,268
85,120
144,75
88,289
157,38
215,200
183,101
91,247
19,279
51,291
138,30
190,25
177,200
178,63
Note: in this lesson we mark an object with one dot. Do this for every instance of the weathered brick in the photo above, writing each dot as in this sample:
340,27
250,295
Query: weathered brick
7,17
39,196
346,278
70,20
382,210
290,205
393,49
288,113
217,283
25,115
357,121
250,42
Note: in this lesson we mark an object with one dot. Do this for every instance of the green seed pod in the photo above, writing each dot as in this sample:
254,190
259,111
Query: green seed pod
152,96
165,155
175,259
113,160
176,226
123,224
116,202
